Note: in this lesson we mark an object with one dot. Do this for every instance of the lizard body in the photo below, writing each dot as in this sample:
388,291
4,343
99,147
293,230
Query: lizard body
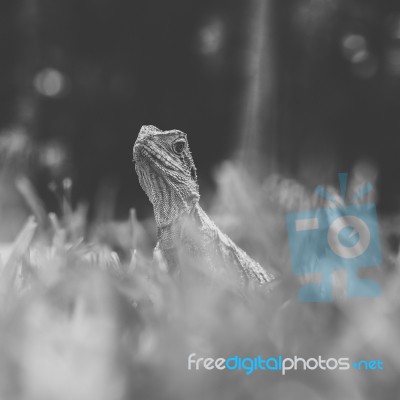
167,174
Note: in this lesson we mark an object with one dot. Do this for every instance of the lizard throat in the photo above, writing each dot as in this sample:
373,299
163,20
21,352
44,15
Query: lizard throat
170,207
171,198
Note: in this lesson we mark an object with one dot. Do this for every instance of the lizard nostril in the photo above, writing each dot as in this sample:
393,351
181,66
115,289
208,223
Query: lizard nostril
136,149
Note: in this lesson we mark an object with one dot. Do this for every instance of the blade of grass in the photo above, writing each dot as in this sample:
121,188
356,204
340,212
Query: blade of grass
20,247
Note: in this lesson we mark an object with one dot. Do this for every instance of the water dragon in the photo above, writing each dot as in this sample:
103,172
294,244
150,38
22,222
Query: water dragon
167,174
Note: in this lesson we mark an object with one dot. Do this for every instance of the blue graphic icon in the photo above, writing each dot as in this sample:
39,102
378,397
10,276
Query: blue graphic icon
345,237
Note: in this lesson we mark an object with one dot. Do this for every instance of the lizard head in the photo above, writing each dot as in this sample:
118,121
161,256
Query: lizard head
166,172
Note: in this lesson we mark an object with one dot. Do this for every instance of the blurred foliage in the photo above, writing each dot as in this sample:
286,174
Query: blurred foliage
86,317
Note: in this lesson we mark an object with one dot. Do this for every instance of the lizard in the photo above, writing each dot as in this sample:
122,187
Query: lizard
167,174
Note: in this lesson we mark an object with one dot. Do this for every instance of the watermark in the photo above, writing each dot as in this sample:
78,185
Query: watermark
282,364
343,237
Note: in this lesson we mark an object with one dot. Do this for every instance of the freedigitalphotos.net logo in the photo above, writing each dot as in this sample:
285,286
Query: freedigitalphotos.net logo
282,364
344,237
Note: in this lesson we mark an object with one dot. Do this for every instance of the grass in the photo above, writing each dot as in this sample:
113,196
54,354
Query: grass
87,314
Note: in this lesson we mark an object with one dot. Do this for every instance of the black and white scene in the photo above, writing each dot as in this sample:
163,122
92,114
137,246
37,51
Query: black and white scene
199,199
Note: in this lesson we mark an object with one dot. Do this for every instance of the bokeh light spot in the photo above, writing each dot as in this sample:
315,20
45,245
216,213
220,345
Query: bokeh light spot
50,82
355,48
211,37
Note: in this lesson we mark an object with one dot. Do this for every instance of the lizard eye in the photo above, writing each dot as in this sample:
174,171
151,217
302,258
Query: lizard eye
179,146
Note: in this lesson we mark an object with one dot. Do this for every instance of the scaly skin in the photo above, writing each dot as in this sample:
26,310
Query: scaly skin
167,174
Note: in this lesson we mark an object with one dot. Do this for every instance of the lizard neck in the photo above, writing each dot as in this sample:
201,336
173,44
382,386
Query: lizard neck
169,234
169,209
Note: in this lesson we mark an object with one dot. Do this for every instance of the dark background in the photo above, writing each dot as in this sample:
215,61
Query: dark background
308,85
